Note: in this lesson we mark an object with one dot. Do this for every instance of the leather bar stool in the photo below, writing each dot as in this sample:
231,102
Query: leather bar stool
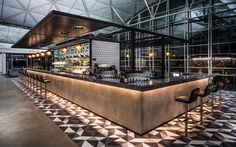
45,82
40,78
28,77
216,87
22,76
203,94
222,85
37,83
34,81
188,100
31,81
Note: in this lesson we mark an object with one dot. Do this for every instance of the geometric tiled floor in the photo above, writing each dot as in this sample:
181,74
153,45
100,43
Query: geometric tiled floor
87,129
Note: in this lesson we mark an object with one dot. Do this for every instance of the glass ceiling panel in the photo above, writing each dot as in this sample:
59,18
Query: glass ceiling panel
30,12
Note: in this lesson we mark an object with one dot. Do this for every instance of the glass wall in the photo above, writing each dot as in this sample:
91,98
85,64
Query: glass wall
190,20
146,58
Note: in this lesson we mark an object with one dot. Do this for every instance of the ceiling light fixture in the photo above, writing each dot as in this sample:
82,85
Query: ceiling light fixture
79,47
48,53
80,27
37,55
42,54
64,50
64,33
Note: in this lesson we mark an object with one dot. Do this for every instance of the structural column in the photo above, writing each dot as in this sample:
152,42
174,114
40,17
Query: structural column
132,51
90,57
210,22
163,67
3,63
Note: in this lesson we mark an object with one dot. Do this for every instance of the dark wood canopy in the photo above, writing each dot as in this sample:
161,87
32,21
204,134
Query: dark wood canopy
59,26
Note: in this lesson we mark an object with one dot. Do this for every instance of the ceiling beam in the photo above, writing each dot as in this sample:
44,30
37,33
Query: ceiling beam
118,15
15,25
149,10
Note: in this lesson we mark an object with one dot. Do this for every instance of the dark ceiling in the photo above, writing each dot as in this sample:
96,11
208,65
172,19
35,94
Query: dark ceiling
56,27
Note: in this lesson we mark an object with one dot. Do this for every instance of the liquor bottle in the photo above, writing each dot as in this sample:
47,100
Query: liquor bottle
125,79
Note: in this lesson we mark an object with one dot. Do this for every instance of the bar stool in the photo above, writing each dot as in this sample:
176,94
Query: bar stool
31,80
216,87
203,94
34,81
45,82
37,83
22,75
222,85
41,87
28,76
188,100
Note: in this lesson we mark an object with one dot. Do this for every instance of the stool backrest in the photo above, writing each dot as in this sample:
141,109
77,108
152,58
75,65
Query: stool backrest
215,87
194,94
37,77
208,89
41,78
222,84
218,85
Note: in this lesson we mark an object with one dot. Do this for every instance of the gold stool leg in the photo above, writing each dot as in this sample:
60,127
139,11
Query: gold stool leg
41,92
45,91
186,120
201,110
220,100
212,106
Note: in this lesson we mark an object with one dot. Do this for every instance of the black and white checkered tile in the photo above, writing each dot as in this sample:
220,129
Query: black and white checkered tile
87,129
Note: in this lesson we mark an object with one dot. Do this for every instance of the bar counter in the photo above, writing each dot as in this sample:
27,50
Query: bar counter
138,107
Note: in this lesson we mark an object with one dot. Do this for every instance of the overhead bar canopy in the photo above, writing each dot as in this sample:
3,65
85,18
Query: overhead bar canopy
59,26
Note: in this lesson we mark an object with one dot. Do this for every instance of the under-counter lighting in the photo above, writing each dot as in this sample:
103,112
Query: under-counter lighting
214,58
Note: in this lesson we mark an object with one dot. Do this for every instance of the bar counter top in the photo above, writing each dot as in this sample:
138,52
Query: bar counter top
139,86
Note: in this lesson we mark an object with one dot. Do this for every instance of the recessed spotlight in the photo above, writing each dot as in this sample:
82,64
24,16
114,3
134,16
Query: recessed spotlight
64,33
79,27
